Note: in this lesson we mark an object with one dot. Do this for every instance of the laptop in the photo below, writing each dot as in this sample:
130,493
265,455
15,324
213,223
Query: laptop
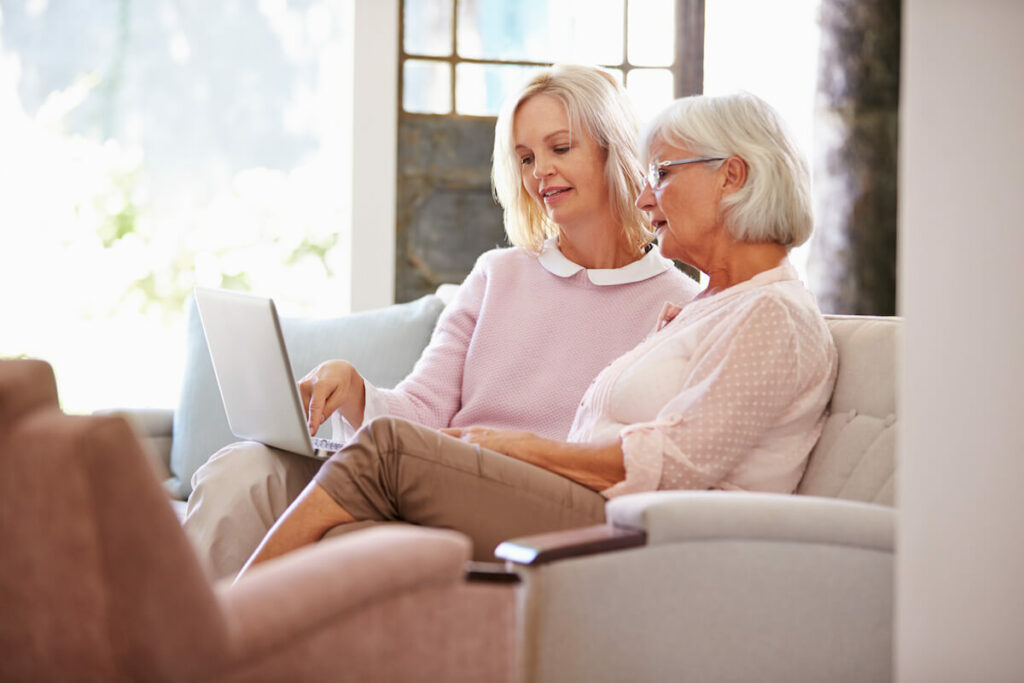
260,395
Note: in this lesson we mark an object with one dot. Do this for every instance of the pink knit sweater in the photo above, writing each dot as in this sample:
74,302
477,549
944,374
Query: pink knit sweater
525,336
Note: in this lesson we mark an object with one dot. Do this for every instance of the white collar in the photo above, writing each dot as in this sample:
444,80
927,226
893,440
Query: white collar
652,263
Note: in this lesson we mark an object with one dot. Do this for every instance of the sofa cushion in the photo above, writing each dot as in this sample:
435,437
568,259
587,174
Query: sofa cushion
855,458
383,344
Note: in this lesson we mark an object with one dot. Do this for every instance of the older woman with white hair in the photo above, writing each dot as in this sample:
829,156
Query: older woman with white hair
728,392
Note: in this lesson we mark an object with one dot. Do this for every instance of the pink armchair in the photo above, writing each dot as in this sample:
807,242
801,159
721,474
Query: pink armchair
98,581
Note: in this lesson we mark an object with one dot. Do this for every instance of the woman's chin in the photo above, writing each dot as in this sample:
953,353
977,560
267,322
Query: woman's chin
668,250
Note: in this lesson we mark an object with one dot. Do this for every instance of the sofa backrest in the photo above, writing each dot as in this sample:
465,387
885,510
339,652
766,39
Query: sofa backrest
855,458
383,344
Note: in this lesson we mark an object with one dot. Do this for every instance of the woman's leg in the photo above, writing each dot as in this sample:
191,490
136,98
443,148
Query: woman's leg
304,522
236,497
397,470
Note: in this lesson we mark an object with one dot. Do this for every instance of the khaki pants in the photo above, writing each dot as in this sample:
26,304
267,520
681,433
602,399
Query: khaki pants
392,470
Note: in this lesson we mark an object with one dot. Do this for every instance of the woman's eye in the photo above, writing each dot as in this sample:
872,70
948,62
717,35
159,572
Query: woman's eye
526,161
562,149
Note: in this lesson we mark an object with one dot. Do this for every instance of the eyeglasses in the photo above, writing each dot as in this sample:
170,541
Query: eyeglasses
654,176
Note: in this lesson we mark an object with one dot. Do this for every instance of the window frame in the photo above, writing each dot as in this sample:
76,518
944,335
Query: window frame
687,68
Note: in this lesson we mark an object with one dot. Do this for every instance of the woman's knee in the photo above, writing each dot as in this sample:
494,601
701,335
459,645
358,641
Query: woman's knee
383,430
394,434
385,438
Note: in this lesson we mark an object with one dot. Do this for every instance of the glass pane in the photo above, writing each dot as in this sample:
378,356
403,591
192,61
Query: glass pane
584,31
652,30
481,88
426,87
651,91
428,27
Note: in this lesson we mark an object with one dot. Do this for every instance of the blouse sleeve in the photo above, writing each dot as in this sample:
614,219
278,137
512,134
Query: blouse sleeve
733,394
432,393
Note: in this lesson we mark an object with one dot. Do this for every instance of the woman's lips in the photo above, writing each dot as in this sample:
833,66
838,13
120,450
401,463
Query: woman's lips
555,194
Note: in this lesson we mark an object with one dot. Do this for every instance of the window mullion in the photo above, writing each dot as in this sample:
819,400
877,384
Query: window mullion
455,51
689,52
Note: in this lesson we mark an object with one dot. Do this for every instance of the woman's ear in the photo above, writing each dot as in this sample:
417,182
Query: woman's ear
734,176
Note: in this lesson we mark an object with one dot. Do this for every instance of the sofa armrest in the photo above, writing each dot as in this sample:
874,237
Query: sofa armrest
279,601
802,586
154,428
147,422
557,545
673,516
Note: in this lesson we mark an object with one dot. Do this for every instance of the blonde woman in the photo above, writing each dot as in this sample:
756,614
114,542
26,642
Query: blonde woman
531,324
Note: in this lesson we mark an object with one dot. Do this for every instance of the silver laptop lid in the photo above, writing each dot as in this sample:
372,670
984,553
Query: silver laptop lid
254,374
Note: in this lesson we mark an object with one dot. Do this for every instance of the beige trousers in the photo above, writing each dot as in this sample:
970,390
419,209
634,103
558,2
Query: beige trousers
392,470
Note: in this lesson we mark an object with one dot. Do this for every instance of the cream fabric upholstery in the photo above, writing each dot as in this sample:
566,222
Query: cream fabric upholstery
854,458
736,586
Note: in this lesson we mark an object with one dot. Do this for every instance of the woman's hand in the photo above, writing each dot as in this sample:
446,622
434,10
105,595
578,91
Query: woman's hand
596,466
332,385
668,313
506,441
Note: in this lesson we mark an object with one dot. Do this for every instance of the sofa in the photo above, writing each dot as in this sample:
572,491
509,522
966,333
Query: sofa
99,583
384,344
696,586
735,586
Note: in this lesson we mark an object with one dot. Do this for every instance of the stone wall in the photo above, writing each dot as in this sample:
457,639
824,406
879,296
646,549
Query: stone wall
446,215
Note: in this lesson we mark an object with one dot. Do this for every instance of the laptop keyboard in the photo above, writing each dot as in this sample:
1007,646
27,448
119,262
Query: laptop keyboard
327,444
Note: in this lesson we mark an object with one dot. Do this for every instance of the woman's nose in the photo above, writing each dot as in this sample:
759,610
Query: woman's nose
542,167
645,200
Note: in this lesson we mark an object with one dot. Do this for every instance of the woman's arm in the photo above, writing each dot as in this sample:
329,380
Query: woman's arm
739,386
429,395
432,393
596,466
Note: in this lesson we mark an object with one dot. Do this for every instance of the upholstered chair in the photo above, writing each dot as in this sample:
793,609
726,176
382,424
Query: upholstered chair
98,582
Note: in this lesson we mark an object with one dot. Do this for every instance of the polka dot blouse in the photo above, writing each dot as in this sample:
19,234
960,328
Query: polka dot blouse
730,394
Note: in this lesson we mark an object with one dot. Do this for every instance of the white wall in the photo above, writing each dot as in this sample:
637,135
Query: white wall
960,578
374,133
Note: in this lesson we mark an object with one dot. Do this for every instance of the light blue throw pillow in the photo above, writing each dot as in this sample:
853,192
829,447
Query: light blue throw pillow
383,344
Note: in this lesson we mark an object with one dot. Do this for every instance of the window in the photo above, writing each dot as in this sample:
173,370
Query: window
148,147
743,51
462,57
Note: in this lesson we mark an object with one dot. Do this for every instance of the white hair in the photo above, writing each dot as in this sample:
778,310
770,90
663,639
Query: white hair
774,204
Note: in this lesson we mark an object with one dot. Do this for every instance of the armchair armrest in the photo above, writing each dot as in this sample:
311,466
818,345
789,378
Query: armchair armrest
491,572
277,602
672,516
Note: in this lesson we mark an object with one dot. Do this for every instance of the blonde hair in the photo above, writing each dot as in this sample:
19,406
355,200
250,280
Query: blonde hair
775,203
596,104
